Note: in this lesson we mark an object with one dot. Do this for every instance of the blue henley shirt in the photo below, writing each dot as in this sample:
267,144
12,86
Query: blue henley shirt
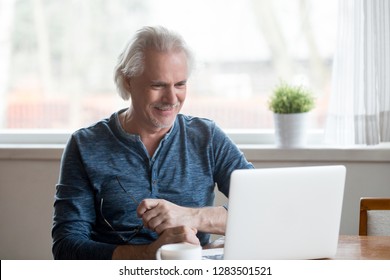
105,173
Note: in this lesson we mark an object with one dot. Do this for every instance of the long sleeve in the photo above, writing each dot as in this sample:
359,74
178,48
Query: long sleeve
74,212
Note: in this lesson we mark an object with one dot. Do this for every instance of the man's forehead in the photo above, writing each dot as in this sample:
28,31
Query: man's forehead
157,63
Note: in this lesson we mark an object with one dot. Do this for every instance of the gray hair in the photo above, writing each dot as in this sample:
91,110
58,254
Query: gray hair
131,60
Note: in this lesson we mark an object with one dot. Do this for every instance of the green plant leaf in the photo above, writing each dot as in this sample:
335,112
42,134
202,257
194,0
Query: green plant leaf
289,99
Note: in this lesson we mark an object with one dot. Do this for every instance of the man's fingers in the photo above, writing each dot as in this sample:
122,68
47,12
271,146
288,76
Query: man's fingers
180,234
159,215
146,205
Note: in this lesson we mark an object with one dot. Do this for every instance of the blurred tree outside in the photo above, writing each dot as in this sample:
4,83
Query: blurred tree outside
57,57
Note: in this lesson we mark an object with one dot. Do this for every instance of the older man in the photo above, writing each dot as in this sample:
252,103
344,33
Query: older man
144,177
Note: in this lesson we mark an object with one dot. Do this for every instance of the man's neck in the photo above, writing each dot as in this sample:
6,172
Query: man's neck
150,137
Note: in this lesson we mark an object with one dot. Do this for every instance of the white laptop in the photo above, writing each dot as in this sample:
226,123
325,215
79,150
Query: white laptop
283,213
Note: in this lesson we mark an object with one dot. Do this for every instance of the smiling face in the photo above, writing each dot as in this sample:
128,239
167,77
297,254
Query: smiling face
159,92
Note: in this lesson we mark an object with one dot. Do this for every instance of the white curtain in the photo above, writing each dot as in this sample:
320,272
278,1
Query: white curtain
359,108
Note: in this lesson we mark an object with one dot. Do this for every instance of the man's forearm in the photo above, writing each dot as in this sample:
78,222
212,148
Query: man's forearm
212,219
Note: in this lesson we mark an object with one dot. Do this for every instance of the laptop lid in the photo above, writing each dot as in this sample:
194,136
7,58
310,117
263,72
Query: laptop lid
284,213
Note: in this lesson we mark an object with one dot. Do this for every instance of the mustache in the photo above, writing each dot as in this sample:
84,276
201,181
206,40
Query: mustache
165,106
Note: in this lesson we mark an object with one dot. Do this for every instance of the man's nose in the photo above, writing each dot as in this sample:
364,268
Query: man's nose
170,95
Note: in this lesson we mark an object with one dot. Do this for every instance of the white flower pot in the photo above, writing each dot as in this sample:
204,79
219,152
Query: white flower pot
291,130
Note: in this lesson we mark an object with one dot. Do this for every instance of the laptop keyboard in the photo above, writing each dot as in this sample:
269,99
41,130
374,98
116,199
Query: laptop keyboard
213,257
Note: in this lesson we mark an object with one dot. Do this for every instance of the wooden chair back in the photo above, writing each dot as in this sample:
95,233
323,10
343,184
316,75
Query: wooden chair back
374,216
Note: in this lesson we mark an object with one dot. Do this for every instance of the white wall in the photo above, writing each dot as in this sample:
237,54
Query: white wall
28,177
26,201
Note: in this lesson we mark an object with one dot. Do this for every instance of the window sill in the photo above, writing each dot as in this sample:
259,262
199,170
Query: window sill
253,152
318,153
257,145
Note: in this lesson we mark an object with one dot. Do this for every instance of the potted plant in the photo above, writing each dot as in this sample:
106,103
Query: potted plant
291,105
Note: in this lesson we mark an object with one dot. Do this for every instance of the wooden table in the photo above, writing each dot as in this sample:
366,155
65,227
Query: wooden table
355,247
350,247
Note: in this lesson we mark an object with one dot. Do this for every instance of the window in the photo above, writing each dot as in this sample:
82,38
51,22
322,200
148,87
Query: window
57,57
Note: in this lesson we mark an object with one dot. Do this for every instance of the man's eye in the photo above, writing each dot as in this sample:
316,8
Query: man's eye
180,85
157,86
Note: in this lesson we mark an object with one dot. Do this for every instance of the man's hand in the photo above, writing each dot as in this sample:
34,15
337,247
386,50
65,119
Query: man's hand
160,215
171,235
174,224
178,235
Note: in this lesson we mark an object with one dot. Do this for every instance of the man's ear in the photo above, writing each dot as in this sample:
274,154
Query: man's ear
128,84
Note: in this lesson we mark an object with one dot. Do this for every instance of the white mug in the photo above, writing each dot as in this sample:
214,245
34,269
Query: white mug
179,251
